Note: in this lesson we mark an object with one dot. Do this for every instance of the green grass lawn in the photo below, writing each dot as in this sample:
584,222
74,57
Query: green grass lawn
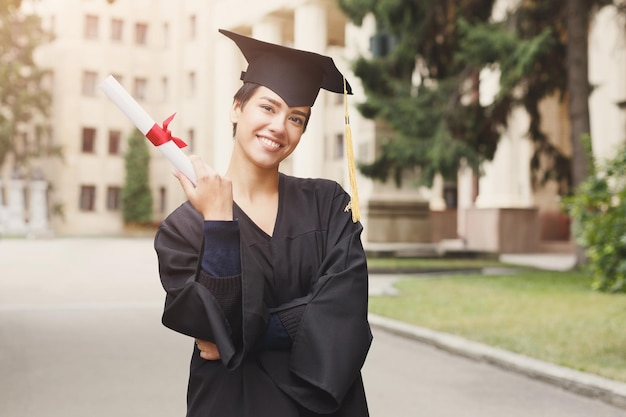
427,264
552,316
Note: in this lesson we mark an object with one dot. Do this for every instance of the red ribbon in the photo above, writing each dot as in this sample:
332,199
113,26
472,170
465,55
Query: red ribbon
159,135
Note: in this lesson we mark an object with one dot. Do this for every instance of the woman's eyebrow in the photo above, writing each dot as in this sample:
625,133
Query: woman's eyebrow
300,113
271,100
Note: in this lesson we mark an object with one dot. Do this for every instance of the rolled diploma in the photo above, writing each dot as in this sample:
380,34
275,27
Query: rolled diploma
124,101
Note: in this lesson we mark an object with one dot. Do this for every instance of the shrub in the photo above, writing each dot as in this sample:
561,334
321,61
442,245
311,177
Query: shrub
136,195
598,211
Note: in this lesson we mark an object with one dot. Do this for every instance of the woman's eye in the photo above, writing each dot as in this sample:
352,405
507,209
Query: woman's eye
266,107
297,120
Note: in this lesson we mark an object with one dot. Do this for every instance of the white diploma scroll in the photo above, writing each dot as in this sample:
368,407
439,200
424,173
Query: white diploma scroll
124,101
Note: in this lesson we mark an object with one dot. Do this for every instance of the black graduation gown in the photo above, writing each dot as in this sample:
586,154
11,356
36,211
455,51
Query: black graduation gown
314,259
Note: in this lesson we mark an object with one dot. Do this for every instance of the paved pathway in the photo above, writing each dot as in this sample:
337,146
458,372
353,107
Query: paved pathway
80,335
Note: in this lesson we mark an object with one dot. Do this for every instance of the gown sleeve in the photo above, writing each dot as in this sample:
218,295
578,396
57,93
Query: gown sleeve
333,336
191,308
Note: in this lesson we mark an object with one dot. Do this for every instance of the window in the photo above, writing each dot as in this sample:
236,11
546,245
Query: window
23,142
141,34
338,146
382,44
115,138
191,139
162,200
90,80
87,198
118,77
192,27
139,90
51,148
91,27
39,145
114,198
117,30
192,83
164,88
166,35
450,193
89,140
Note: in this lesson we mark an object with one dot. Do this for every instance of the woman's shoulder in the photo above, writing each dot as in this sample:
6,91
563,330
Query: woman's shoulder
183,221
315,198
318,186
183,213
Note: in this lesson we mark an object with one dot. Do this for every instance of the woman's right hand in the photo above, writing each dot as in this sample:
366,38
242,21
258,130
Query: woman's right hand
208,350
213,194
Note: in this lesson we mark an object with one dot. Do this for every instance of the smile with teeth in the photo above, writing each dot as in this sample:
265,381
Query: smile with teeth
270,142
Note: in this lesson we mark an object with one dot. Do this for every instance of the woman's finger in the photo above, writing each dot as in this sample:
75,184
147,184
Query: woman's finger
185,183
208,350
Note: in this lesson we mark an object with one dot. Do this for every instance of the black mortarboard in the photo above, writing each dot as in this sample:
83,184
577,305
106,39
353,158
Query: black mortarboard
295,75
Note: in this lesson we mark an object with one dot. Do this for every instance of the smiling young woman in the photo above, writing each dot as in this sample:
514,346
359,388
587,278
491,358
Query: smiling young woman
265,271
267,130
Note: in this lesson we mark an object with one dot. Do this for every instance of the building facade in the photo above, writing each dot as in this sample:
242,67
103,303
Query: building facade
503,210
171,58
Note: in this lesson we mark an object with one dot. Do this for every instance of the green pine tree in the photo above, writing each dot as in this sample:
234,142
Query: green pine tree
439,122
434,126
136,195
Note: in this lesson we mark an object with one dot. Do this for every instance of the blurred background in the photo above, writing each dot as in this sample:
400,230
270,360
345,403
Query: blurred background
489,138
470,119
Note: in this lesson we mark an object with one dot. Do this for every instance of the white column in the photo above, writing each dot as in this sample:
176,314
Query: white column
225,85
15,209
310,28
506,182
465,186
606,72
436,199
268,30
38,219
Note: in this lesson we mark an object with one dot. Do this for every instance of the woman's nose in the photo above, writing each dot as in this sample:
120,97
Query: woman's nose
277,124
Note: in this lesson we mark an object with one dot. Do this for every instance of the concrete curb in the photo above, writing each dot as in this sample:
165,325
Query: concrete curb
589,385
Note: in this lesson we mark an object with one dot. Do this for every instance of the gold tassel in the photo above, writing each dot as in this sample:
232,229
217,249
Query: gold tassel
354,203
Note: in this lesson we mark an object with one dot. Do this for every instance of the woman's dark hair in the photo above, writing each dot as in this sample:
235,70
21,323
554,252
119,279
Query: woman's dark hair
243,95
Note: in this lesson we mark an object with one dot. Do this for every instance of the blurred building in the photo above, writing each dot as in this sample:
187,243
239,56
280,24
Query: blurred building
502,211
171,58
160,52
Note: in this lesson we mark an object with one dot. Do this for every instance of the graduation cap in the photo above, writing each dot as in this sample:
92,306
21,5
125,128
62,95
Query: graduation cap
297,77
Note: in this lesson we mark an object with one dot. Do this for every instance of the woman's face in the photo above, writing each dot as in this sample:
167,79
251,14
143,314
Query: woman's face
268,130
